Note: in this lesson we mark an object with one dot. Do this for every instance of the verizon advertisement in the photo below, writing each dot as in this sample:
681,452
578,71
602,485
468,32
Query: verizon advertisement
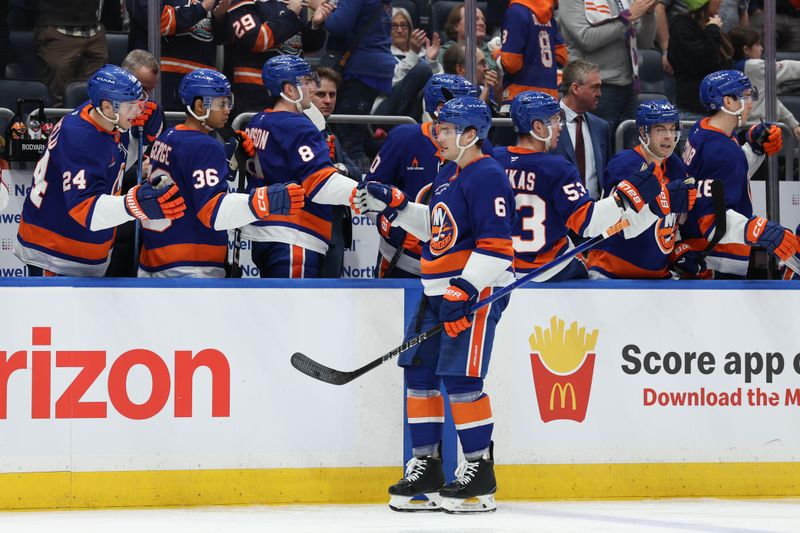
95,379
631,376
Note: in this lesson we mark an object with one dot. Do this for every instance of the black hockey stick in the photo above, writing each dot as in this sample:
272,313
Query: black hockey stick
137,228
720,217
238,156
311,368
400,250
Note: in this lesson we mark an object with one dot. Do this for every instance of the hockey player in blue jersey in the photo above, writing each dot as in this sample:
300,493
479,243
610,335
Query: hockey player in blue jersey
550,198
409,160
196,245
68,219
467,255
712,152
289,148
643,249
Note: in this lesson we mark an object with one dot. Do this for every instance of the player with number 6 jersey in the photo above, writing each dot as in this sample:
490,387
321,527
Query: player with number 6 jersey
196,245
467,256
290,149
69,218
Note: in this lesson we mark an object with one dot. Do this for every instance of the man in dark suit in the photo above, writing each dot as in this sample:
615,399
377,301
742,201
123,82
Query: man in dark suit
587,142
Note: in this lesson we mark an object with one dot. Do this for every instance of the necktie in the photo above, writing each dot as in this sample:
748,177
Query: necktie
580,152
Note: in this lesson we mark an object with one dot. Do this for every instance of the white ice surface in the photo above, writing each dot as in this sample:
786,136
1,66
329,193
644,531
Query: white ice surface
706,515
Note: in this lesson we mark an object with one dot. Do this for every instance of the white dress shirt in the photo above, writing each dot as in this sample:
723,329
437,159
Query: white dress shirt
592,181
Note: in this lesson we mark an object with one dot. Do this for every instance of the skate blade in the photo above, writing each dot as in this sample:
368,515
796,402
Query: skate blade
478,504
405,504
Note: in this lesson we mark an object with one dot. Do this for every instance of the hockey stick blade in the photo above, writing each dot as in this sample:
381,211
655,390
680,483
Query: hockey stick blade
320,372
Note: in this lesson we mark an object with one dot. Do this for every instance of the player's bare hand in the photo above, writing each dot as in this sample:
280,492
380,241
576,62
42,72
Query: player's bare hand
221,9
640,8
295,6
416,40
208,5
715,20
312,4
665,66
432,47
146,167
492,82
321,14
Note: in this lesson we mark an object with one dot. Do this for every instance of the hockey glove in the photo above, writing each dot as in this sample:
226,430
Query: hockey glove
640,189
280,199
148,201
688,263
682,195
455,310
765,138
770,235
373,196
246,143
148,109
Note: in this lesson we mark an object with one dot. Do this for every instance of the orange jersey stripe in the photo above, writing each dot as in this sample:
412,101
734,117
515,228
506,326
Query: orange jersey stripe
306,220
265,40
432,407
181,65
514,89
313,180
204,215
174,253
168,21
498,246
562,55
475,361
577,218
470,412
446,263
621,268
512,62
247,75
81,211
58,243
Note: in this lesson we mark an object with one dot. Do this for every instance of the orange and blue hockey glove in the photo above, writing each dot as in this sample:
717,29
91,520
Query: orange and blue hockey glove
640,188
682,195
455,312
688,263
765,138
148,201
246,142
281,199
772,236
148,109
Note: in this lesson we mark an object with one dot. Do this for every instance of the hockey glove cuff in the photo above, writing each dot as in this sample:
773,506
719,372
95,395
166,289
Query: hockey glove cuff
640,188
772,236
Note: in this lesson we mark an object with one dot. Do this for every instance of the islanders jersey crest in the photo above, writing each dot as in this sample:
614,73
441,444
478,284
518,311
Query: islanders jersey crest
665,233
444,231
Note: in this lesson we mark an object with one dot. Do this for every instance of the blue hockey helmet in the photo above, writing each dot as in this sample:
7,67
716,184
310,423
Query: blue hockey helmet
465,112
114,84
717,85
455,85
529,106
652,112
203,83
282,69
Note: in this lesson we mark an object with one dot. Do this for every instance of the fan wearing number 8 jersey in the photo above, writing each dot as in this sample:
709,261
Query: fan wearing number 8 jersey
290,149
550,198
532,49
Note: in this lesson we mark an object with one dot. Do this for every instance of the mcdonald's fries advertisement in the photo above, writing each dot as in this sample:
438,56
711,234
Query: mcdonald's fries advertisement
605,376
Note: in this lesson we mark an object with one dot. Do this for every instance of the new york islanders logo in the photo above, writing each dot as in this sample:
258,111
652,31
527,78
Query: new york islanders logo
562,362
665,232
444,230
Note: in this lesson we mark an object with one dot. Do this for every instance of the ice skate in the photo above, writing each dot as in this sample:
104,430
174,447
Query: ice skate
424,477
473,489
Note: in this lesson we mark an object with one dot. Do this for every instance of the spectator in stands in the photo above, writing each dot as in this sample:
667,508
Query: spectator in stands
787,22
417,60
189,38
697,47
665,12
586,143
734,13
454,29
257,31
70,42
485,78
747,50
324,98
361,31
602,33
